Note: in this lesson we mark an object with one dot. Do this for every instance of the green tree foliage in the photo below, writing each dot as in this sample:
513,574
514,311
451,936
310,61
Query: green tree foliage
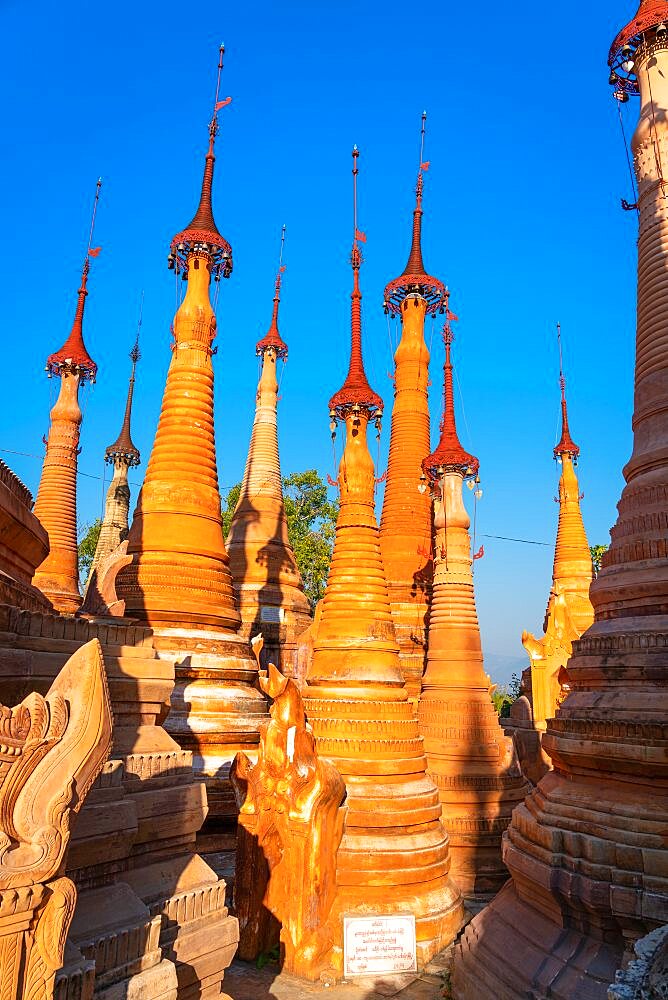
311,528
596,553
311,520
88,536
504,695
229,506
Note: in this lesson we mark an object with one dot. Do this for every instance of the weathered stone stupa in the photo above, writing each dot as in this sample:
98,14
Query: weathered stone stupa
56,504
122,456
471,760
569,612
394,854
587,850
405,524
179,579
267,581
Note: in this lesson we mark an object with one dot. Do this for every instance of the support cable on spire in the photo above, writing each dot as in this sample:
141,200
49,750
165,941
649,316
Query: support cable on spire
566,445
73,356
356,394
202,235
272,338
415,280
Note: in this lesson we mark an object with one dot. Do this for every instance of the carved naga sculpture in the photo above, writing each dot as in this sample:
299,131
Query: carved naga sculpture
290,827
51,750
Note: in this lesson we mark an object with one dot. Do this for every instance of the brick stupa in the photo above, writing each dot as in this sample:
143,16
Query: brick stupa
588,848
267,581
179,581
471,760
394,854
122,456
405,524
56,503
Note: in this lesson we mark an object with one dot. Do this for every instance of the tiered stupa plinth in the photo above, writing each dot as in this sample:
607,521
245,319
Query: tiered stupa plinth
394,854
471,760
122,456
405,524
56,504
588,848
569,611
267,581
179,580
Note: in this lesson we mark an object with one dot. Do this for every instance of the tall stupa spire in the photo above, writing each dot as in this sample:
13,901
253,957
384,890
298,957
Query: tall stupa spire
589,873
56,504
202,232
179,580
405,524
122,455
267,581
569,611
469,757
358,705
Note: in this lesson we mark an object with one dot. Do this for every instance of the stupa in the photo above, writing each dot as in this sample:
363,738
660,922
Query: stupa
569,612
471,760
405,524
394,856
267,581
179,580
122,456
56,504
588,848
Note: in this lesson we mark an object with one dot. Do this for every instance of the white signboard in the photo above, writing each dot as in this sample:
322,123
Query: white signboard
271,614
379,945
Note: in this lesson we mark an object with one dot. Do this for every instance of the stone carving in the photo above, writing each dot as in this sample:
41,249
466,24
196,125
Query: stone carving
646,976
290,827
51,750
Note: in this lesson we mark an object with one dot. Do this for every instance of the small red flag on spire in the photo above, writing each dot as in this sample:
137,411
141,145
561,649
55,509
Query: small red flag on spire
359,235
282,268
480,553
95,251
425,165
221,104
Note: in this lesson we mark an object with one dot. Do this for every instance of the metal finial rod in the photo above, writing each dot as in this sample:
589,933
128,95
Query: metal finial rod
220,70
356,153
562,380
134,353
422,134
281,268
93,214
280,256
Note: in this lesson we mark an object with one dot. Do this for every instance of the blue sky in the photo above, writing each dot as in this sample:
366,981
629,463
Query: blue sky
522,221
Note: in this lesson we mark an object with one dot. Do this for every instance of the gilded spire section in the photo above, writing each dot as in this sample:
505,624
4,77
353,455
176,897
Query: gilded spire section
569,611
469,757
357,704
